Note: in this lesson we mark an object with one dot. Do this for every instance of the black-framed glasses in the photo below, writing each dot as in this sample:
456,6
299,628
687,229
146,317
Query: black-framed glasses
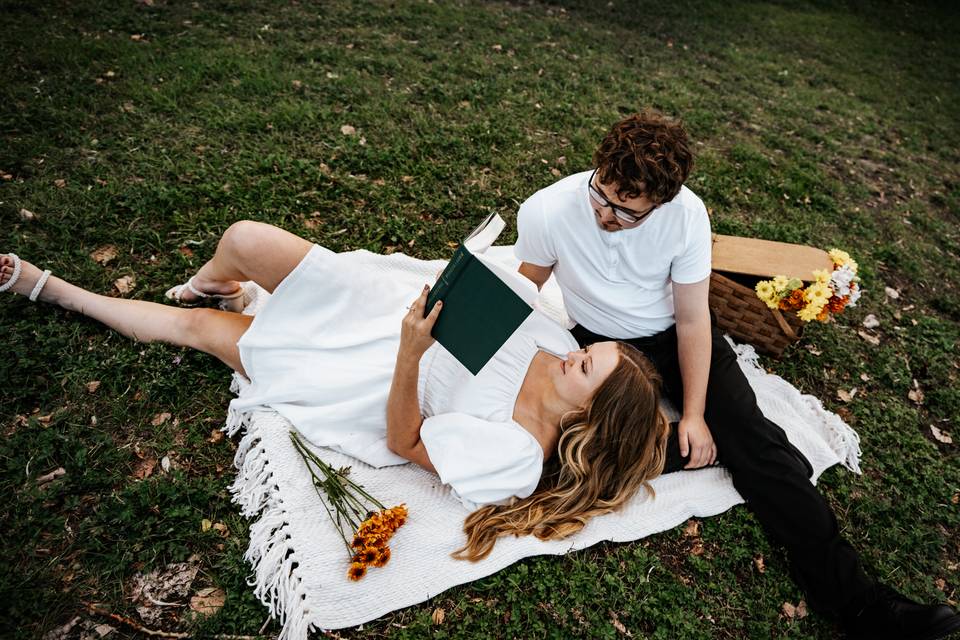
627,215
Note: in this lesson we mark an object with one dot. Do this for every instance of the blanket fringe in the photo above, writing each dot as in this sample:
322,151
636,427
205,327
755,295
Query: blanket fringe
272,557
275,581
841,437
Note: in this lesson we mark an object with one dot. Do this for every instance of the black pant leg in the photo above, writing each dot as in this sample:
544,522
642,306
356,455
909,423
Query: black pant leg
768,471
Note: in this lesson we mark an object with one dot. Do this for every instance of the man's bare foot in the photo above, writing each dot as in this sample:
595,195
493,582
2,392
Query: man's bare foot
29,275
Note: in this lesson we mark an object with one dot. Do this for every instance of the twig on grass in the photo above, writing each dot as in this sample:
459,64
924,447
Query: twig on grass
136,626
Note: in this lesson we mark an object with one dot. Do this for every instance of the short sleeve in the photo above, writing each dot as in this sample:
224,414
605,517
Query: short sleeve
483,462
694,264
534,244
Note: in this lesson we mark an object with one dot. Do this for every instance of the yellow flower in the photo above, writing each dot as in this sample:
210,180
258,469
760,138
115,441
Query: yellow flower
822,276
808,313
842,258
780,283
818,294
767,294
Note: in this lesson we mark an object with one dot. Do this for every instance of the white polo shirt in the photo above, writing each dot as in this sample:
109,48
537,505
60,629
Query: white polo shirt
616,284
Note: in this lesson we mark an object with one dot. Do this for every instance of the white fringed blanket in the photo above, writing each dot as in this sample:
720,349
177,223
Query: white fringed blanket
299,561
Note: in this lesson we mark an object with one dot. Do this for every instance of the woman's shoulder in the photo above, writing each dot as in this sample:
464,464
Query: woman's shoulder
484,461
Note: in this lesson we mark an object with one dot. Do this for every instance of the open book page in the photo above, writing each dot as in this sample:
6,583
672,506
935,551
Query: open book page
485,234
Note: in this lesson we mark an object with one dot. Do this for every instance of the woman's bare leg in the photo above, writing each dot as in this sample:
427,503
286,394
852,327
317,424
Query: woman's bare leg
253,251
208,330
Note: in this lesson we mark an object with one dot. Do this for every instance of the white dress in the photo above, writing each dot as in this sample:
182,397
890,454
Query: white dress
322,352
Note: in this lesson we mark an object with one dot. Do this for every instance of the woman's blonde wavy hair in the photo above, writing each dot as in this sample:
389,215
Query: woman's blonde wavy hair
607,451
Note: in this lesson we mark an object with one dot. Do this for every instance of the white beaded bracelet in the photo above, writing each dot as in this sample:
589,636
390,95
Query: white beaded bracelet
37,287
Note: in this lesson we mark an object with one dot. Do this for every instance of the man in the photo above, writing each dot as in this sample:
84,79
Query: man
630,247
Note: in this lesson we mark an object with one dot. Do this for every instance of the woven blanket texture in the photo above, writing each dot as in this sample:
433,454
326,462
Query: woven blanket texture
299,563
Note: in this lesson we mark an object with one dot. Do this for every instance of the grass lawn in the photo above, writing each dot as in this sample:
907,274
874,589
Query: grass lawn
150,126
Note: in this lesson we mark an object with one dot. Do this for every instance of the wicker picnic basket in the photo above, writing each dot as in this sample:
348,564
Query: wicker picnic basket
738,264
746,318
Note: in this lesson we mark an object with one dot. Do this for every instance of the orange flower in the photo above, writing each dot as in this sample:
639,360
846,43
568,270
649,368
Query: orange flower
382,558
837,304
794,302
357,571
824,314
366,555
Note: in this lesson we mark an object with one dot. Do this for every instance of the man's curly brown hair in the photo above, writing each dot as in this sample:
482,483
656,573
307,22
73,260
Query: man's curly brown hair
646,154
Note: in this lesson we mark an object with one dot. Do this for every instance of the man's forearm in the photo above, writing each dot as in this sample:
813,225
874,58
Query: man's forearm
694,344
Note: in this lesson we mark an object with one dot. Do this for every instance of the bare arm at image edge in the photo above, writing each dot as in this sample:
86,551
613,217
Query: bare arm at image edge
694,344
535,273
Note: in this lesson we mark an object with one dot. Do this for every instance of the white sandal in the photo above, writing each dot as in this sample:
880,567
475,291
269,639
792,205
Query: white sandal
228,302
17,268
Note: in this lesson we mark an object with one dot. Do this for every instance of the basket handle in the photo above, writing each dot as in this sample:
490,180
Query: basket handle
784,326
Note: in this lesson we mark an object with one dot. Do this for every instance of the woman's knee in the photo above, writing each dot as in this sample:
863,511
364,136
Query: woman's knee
195,327
242,237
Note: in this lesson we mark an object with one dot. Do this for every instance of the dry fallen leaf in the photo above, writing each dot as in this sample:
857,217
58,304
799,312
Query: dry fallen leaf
940,584
27,216
955,498
758,562
348,130
153,592
104,254
144,468
871,322
788,610
615,621
438,615
847,396
208,601
801,610
874,340
92,386
940,435
215,436
892,293
813,350
865,377
63,632
916,393
125,284
165,464
221,529
186,251
297,84
60,183
47,478
159,419
205,524
692,529
332,76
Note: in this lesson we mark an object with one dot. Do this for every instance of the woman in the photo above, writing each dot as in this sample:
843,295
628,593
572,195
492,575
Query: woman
540,442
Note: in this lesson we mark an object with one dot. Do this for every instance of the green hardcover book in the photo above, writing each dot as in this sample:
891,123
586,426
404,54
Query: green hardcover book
483,303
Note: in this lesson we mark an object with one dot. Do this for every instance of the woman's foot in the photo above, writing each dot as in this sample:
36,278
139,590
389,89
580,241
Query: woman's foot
229,295
29,276
217,288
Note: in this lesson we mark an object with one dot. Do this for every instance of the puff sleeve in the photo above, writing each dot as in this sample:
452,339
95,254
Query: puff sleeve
483,462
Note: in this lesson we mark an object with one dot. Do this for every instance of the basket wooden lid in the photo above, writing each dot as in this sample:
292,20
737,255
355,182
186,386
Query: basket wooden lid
765,259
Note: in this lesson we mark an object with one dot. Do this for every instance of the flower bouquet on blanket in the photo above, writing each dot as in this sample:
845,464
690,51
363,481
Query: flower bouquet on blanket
297,553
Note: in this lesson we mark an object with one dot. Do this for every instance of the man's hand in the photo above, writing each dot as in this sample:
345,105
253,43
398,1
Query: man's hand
696,440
